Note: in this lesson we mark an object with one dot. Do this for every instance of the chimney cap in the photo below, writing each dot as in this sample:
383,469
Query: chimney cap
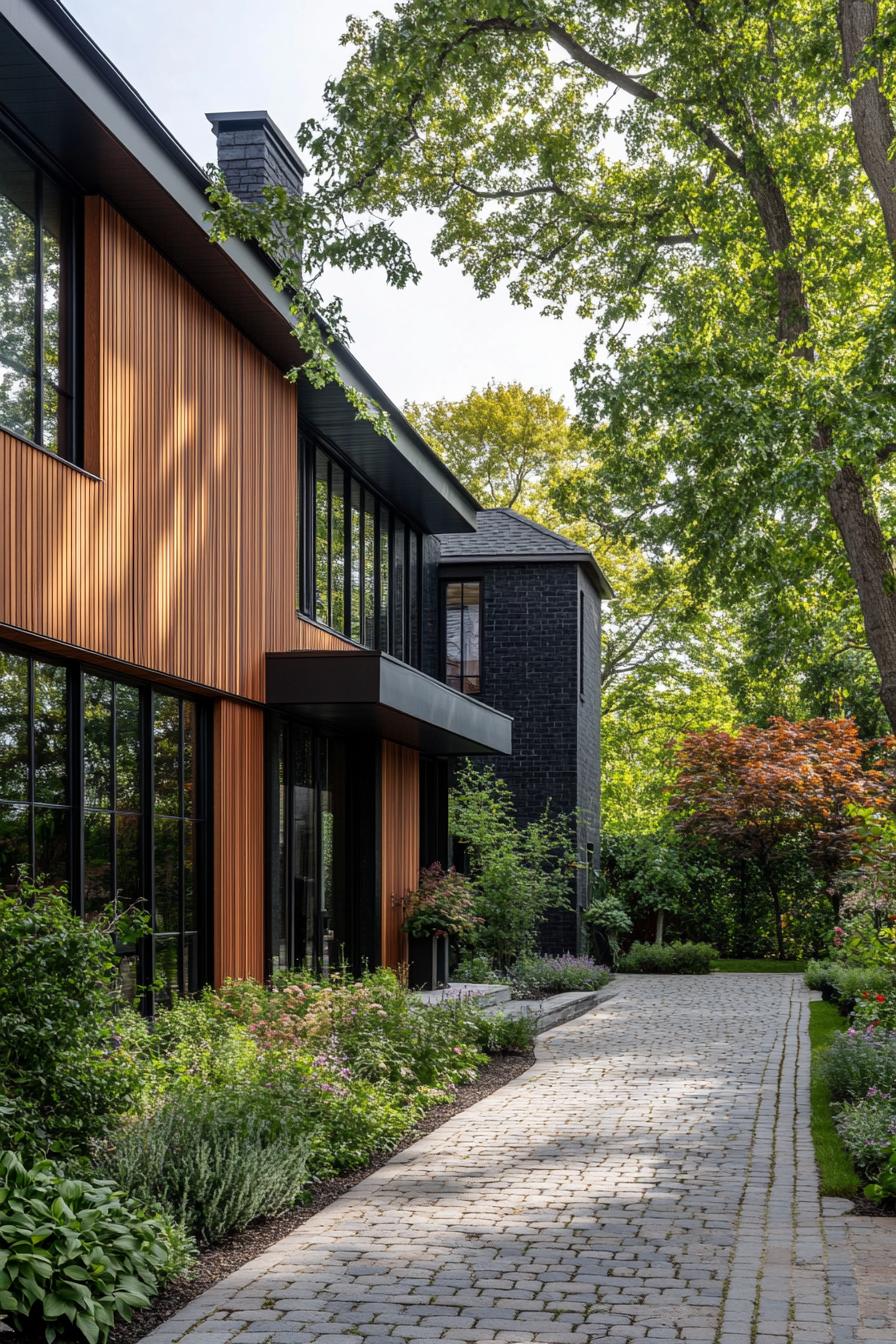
244,121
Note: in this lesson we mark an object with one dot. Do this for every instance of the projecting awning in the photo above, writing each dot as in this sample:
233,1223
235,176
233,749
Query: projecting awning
374,693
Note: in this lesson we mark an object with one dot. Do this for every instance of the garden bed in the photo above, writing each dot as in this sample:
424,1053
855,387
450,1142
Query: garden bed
217,1262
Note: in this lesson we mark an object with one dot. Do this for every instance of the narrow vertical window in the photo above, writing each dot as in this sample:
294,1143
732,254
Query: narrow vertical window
36,293
357,564
413,653
385,566
463,637
399,590
368,636
581,645
177,831
322,538
337,548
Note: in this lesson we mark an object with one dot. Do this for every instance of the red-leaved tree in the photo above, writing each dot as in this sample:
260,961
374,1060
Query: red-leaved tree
762,792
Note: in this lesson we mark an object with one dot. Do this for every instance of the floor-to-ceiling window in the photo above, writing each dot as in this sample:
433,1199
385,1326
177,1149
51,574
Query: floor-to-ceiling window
103,788
361,564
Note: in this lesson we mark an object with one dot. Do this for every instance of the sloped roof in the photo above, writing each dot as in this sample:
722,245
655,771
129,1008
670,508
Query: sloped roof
504,536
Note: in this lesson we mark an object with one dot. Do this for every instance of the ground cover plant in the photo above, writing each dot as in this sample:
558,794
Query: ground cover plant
668,959
223,1109
535,977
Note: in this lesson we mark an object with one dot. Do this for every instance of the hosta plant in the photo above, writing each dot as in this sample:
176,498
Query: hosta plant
76,1255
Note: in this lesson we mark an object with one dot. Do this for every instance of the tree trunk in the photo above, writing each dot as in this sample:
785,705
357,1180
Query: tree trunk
779,932
872,122
873,573
660,921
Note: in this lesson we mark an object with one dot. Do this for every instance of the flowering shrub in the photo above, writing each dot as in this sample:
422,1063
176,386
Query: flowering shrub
441,903
868,1129
874,1010
533,977
857,1061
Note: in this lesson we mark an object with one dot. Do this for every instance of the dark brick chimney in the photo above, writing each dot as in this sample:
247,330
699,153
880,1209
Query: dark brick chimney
253,153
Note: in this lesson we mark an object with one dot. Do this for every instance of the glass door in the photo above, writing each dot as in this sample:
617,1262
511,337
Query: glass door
308,907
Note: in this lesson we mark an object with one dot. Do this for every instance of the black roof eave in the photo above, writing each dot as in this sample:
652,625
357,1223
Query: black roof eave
373,693
65,94
583,558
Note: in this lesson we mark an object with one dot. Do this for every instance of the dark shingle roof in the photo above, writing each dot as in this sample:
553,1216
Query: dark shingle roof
503,535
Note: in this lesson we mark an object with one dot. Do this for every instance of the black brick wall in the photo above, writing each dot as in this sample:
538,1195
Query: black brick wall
531,671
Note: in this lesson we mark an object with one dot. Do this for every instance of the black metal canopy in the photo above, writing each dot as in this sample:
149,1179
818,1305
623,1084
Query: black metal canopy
375,693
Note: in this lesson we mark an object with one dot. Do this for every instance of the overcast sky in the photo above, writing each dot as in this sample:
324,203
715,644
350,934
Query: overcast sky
189,57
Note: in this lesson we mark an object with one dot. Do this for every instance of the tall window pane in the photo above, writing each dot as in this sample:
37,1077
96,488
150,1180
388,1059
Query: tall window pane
357,587
35,287
337,551
113,802
177,837
463,637
385,568
413,655
369,633
322,538
35,806
18,293
399,591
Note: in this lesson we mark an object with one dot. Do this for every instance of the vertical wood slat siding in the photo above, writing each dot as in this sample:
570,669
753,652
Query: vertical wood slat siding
181,557
238,841
399,842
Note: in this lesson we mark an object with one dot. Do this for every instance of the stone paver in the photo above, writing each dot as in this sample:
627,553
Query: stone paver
651,1178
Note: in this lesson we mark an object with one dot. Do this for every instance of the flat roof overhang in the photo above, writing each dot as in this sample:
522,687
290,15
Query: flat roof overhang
60,90
375,693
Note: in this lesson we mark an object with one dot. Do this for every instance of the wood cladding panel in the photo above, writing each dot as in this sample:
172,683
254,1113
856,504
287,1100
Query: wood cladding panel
238,841
178,555
399,842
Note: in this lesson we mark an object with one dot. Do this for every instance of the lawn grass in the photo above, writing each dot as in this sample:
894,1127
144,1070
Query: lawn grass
836,1172
790,967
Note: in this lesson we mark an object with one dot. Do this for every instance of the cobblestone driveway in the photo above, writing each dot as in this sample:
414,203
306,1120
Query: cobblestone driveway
651,1178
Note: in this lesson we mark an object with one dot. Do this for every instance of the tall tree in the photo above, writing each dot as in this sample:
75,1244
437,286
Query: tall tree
759,793
505,442
719,170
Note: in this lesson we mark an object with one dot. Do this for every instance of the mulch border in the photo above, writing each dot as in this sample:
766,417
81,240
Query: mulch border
217,1262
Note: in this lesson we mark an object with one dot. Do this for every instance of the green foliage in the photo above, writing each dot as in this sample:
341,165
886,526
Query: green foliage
757,966
853,1064
502,1034
668,959
534,977
868,1129
883,1188
75,1255
607,921
518,872
507,443
216,1157
475,969
69,1050
842,984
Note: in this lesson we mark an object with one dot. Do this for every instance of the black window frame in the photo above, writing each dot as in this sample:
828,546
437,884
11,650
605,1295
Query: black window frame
445,582
582,645
310,445
149,690
69,448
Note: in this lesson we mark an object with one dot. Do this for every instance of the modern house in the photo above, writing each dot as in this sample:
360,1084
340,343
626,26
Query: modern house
240,637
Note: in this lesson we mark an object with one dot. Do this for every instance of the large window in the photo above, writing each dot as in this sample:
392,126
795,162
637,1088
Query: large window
36,304
463,636
102,787
361,566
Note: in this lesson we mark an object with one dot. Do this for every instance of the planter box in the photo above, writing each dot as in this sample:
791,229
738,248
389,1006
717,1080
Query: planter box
428,962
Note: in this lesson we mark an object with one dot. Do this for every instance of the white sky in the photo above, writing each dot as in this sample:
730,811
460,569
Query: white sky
189,57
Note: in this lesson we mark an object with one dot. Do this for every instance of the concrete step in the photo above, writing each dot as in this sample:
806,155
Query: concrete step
559,1008
484,996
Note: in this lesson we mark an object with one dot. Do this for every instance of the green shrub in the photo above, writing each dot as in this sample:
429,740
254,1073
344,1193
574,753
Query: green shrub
501,1034
819,974
669,959
842,984
883,1187
475,969
607,920
868,1129
76,1255
856,1062
518,872
215,1157
69,1051
534,977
